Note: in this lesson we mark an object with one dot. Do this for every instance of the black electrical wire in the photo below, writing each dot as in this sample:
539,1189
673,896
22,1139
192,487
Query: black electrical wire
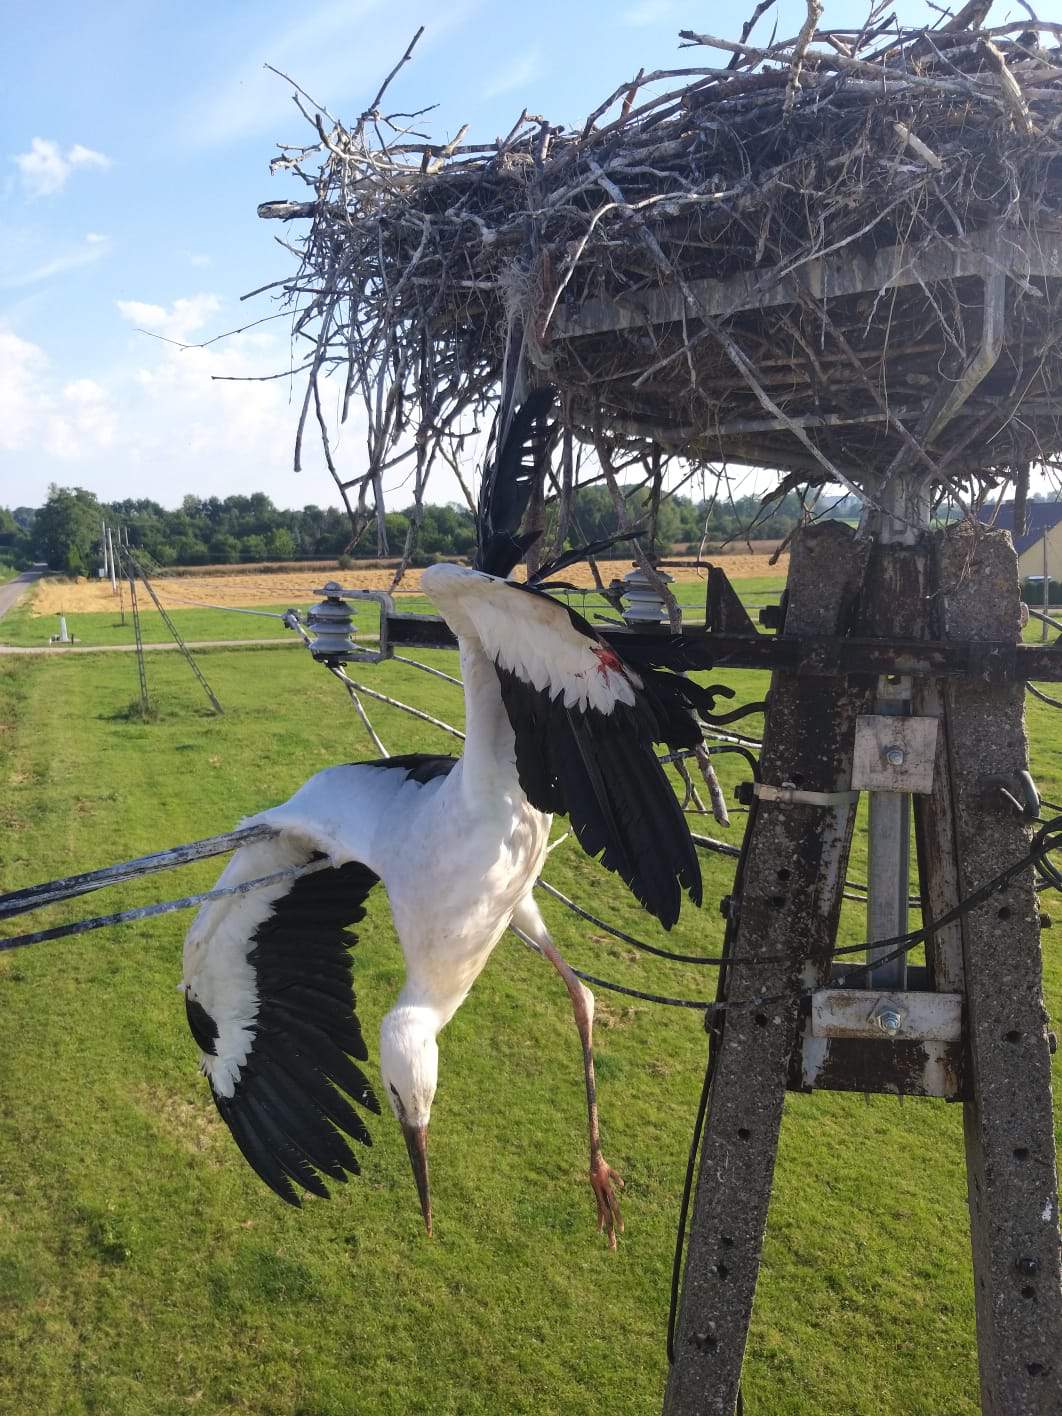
687,1192
700,1004
720,720
1043,697
623,936
83,926
742,751
1047,839
1043,843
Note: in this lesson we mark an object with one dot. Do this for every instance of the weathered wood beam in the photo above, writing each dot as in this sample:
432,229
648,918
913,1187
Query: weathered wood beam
828,277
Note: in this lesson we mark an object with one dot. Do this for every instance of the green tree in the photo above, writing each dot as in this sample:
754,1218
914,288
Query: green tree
224,550
253,548
14,542
74,564
190,550
280,544
69,520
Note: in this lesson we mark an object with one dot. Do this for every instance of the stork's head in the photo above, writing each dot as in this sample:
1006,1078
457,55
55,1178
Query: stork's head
409,1066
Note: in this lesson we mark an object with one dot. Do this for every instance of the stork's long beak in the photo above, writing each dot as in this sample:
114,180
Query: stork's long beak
417,1145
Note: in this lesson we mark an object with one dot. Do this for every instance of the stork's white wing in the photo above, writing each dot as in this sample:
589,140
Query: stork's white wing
268,988
584,723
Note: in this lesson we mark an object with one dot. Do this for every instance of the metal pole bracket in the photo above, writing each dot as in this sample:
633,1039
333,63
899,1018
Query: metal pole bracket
894,754
789,793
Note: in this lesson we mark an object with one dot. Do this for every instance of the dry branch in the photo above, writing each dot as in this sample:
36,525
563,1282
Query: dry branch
753,264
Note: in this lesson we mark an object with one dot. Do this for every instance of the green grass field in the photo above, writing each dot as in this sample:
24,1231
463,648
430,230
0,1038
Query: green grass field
145,1271
24,629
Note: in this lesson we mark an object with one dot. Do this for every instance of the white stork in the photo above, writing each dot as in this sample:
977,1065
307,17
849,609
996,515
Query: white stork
556,721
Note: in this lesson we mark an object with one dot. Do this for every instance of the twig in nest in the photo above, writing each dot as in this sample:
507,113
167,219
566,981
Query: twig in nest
800,49
1012,94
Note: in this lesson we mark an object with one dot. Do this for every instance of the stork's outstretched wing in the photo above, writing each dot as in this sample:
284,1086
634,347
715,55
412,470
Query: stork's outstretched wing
270,1002
585,723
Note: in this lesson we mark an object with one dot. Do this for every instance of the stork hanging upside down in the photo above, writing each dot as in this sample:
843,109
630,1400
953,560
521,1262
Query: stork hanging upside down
556,721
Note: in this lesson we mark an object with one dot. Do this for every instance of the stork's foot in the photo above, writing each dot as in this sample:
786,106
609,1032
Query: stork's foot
602,1178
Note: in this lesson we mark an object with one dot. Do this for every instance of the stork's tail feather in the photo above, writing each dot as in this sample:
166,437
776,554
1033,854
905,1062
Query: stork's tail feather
508,483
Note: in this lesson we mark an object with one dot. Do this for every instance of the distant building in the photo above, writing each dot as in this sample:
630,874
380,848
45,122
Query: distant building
1042,520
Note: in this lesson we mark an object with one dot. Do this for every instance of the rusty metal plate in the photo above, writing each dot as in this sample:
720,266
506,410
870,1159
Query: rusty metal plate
895,1016
855,1064
894,754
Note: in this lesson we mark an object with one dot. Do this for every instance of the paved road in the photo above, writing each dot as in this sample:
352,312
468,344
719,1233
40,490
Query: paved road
13,591
60,651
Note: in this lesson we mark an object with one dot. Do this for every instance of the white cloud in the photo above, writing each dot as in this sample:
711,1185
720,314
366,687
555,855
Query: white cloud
93,238
647,12
82,421
516,74
23,367
184,318
69,423
163,420
45,169
81,156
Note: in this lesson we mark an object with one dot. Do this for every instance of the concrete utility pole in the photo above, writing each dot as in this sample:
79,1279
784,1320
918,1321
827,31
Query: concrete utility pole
968,1027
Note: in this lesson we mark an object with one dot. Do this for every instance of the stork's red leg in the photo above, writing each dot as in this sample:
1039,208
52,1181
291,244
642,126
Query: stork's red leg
602,1176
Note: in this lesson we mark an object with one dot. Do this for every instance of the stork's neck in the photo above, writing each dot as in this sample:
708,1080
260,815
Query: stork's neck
489,759
430,1007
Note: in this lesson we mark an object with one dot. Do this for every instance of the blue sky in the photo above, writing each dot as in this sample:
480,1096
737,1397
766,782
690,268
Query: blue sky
136,139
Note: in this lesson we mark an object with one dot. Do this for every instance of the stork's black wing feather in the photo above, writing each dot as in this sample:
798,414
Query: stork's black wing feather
601,770
289,1103
584,725
508,482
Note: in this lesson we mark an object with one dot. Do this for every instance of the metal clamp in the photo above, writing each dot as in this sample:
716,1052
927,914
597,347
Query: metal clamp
1019,789
787,792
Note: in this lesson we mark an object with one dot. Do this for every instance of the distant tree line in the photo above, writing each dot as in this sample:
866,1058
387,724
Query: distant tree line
65,531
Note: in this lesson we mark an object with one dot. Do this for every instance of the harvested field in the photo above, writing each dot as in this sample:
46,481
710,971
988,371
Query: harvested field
298,586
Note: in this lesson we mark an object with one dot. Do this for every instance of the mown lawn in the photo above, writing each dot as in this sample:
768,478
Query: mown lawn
24,629
145,1271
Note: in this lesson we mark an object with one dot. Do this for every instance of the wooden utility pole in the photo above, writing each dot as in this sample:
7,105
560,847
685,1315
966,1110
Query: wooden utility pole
969,1027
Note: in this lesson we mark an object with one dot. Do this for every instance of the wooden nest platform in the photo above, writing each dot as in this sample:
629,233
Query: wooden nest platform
837,255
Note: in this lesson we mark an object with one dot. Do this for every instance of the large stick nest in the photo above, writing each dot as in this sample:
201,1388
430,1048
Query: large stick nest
785,262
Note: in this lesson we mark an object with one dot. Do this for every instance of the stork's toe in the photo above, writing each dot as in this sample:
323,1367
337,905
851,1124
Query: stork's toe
603,1178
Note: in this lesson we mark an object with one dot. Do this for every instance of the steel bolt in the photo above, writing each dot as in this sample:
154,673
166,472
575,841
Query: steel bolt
889,1020
895,756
